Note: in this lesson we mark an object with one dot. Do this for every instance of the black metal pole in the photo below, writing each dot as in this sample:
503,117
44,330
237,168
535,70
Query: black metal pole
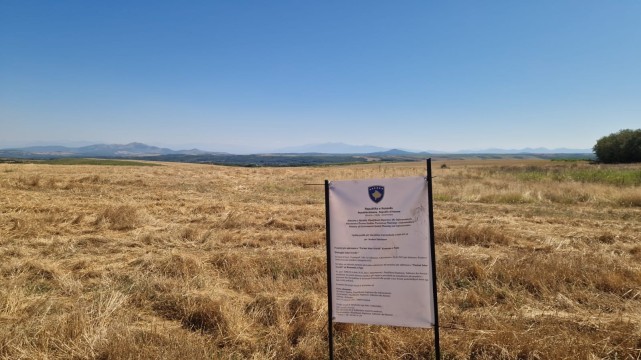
437,346
330,325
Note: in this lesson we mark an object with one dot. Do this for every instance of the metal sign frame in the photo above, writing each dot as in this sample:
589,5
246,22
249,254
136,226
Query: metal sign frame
330,323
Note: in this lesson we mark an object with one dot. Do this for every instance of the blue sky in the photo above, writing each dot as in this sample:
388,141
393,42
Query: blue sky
259,75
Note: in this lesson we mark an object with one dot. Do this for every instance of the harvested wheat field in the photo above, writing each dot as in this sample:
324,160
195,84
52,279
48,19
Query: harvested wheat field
535,260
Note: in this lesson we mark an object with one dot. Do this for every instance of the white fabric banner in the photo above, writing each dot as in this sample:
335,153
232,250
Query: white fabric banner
380,252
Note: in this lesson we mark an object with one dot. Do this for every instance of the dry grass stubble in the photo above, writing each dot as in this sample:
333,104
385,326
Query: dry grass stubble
196,261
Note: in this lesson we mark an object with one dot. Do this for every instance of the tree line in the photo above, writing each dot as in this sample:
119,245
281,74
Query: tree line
620,147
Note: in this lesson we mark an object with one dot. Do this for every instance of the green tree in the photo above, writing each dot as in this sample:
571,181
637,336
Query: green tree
621,147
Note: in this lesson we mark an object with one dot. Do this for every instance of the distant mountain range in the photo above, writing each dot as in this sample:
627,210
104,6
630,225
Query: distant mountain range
98,150
136,149
539,150
330,148
341,148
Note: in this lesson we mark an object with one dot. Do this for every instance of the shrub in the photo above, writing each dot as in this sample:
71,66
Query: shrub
621,147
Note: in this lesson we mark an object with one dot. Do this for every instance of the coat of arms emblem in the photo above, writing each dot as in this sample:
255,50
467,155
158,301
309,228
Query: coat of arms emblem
376,193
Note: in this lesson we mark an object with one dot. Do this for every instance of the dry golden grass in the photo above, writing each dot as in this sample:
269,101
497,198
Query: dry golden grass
536,260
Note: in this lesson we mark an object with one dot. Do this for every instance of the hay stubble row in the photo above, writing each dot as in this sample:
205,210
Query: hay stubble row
200,262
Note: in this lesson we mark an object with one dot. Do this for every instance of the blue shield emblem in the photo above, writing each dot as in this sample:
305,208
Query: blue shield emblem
376,193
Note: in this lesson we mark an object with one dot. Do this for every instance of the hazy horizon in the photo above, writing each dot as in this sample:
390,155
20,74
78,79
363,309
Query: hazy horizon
328,148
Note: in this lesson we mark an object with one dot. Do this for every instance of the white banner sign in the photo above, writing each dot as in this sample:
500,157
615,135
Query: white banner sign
380,252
